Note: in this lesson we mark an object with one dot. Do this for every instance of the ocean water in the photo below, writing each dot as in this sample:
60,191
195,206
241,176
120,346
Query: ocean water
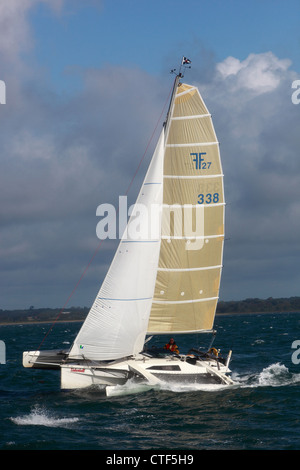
261,412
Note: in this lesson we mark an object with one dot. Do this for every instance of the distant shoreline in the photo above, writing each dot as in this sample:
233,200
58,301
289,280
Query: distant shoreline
40,322
251,306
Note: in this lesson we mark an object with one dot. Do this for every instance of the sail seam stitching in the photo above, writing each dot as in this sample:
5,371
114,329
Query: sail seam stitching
183,301
191,116
192,144
189,269
154,332
192,176
185,92
190,206
198,237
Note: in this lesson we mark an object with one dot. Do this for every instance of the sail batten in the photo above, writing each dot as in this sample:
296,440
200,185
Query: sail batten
190,269
179,94
195,144
178,177
181,332
193,116
183,301
191,237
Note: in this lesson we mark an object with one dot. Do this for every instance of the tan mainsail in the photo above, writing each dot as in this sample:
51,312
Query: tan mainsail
191,252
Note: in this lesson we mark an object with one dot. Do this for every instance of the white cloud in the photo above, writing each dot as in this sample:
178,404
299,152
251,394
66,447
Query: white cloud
260,73
15,33
257,125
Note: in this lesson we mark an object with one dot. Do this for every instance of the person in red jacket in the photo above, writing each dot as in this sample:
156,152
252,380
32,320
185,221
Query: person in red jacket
172,346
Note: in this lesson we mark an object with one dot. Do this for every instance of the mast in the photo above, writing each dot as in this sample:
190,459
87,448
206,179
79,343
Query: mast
184,63
168,119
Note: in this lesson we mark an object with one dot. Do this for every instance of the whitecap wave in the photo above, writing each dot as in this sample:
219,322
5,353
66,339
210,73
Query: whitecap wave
277,375
132,387
191,387
41,417
274,375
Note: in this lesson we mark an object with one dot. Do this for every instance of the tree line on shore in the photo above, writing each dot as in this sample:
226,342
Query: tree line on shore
252,305
269,305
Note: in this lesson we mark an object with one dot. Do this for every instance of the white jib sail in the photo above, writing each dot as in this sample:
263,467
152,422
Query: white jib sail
117,323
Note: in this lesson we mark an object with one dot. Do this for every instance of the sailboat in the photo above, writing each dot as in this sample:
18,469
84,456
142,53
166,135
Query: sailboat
166,280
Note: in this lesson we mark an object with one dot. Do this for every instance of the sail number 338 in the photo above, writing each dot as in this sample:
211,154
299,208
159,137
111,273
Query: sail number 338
208,198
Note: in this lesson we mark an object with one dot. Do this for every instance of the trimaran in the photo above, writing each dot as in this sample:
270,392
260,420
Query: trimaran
166,280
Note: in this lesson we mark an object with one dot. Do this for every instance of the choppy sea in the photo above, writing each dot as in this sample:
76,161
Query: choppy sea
261,412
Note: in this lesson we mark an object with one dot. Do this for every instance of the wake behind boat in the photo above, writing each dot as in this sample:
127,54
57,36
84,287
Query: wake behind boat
164,278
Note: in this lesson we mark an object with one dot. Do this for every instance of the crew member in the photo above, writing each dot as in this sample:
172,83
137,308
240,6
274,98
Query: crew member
172,346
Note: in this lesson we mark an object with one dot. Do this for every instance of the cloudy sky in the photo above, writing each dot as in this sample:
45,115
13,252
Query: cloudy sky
86,82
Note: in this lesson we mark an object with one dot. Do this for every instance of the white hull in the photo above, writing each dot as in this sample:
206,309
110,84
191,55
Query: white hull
143,369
